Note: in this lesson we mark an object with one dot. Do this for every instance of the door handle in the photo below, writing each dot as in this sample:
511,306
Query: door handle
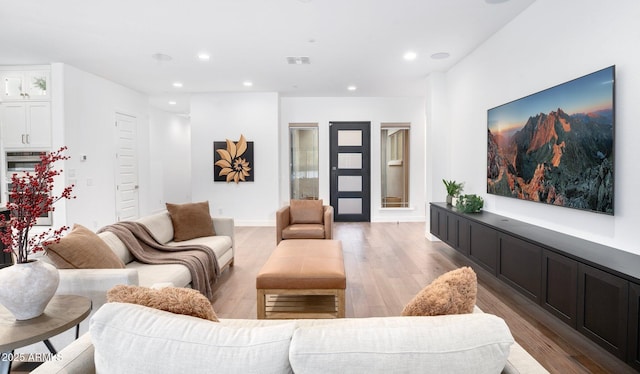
23,139
27,138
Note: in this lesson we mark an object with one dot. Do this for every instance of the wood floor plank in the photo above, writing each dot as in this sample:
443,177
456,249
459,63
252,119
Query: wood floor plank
388,263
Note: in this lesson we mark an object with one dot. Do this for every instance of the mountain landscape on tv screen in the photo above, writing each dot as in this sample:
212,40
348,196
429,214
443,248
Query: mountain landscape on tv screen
556,158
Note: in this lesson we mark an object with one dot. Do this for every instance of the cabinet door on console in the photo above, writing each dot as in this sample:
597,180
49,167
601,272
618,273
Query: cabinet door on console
463,236
442,224
520,265
483,247
452,230
434,214
457,232
634,325
603,302
560,286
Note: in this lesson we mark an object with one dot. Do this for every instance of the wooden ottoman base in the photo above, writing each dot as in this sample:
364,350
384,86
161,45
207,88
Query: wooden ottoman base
302,279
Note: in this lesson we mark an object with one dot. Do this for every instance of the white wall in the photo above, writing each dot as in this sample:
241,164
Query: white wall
217,117
323,110
438,142
549,43
170,159
86,116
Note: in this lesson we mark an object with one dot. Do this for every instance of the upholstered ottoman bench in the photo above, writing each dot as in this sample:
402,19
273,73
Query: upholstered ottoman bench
303,278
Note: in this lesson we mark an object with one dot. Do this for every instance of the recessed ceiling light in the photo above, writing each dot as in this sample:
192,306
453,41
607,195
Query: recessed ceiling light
177,84
247,83
410,56
352,88
495,1
204,56
440,55
161,57
172,103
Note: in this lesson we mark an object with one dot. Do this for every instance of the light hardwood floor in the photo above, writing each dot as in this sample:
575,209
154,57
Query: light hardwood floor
388,263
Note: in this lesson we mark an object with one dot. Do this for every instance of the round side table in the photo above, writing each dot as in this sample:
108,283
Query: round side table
62,313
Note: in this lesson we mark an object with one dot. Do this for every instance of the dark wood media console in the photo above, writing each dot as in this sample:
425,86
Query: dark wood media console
591,287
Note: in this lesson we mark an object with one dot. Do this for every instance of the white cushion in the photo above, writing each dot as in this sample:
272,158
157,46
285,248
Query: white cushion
131,338
159,225
219,244
470,343
148,275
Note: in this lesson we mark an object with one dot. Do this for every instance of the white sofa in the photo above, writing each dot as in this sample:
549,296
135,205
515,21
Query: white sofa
136,339
94,283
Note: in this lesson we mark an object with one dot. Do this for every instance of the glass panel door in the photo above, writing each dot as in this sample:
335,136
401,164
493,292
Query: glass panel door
303,174
350,170
394,153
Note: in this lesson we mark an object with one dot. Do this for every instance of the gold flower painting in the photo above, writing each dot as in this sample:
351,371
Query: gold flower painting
233,161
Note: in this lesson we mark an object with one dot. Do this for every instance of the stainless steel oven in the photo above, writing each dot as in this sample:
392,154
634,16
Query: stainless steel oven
20,163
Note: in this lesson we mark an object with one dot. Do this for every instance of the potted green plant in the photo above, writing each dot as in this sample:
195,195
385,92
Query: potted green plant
453,189
470,203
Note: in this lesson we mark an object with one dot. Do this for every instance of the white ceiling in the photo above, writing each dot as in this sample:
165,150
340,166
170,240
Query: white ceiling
349,42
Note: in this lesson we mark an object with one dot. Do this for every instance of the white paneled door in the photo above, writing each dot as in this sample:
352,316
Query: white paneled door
126,168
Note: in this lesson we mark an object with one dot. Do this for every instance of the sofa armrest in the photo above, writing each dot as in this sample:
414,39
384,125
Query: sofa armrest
223,226
282,221
94,283
328,222
76,358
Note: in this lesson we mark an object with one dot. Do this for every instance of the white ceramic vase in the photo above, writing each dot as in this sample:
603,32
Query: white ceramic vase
26,289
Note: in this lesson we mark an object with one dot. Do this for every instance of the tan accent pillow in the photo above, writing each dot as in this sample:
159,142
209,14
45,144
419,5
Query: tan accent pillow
305,211
451,293
82,249
190,221
177,300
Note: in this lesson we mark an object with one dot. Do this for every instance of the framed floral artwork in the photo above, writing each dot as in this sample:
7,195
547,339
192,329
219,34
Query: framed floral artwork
233,161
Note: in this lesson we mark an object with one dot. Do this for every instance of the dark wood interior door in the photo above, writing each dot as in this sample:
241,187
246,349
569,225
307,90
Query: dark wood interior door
350,149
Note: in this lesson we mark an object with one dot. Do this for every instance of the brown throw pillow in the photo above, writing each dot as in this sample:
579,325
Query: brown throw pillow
305,211
451,293
82,249
190,221
177,300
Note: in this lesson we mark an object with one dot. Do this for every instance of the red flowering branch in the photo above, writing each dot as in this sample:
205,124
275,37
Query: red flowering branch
30,197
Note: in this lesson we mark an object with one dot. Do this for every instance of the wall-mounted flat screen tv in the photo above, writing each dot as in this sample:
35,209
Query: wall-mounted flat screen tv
556,146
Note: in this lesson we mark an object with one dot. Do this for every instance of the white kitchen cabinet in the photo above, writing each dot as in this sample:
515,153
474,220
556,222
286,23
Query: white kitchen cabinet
26,124
25,85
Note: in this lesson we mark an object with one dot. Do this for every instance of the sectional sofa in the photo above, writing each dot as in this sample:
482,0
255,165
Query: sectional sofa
137,339
94,283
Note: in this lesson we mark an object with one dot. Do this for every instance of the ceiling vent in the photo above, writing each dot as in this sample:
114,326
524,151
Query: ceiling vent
303,60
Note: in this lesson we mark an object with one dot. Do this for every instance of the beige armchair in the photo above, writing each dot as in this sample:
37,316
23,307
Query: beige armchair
304,219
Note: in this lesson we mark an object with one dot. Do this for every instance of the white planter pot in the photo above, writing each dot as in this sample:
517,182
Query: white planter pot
26,289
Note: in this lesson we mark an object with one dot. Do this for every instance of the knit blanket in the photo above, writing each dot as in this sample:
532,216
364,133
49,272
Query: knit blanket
199,259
